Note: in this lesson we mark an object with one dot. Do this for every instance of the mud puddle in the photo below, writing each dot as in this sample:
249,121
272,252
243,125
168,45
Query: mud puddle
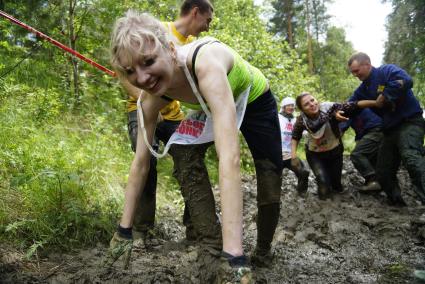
354,238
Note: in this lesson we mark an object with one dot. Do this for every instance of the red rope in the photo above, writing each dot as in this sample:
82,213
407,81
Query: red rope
57,43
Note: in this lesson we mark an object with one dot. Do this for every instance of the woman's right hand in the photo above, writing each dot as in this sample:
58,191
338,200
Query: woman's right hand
339,115
295,163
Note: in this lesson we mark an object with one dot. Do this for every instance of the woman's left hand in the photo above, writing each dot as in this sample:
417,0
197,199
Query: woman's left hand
339,115
118,247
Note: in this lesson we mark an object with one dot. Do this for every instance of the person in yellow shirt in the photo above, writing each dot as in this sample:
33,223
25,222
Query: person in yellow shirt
195,17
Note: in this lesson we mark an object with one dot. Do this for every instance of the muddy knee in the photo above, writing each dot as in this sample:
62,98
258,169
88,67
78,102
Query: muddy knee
269,181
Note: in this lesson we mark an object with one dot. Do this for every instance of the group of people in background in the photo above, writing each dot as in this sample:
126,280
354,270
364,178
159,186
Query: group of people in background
389,129
162,65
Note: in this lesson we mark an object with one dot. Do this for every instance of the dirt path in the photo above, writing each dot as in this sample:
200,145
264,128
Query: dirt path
355,238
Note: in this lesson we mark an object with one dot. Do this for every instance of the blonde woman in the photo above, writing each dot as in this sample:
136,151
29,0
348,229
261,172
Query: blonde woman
233,93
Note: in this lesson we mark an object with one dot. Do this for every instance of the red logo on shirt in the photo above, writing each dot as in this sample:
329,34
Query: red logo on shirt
191,127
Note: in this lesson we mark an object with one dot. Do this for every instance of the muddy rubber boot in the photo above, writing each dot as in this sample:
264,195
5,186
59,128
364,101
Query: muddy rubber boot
302,173
323,191
338,189
146,239
371,184
394,198
262,258
397,201
268,217
233,269
190,230
139,240
269,182
302,185
190,233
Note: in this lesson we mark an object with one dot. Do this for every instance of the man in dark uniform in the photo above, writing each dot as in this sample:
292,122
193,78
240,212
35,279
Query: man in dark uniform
368,128
402,123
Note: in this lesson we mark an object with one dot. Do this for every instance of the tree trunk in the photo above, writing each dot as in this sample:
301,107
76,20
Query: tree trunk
72,42
309,44
316,20
288,9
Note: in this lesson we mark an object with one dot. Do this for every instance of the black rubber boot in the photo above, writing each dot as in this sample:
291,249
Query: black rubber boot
302,185
394,197
268,217
323,191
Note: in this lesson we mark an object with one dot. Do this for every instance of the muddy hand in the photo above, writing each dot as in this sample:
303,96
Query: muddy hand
245,275
234,270
241,275
118,247
295,163
339,115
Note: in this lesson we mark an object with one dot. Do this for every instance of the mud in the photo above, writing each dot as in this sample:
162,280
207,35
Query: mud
354,238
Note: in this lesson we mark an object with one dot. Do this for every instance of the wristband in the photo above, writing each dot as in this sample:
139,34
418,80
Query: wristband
126,233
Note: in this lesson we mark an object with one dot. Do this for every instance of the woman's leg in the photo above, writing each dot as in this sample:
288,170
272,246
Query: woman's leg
192,175
318,166
302,173
261,130
334,164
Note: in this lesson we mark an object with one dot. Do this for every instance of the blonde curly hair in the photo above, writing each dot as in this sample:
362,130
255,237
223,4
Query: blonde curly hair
132,33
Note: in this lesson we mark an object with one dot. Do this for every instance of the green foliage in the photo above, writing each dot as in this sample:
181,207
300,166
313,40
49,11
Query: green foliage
348,141
406,41
337,84
330,50
237,24
285,21
62,175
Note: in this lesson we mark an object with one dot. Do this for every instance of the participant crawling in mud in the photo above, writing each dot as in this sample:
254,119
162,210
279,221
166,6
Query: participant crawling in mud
368,129
324,147
402,122
286,121
142,53
195,16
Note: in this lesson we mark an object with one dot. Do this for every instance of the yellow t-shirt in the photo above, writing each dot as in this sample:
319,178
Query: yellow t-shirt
171,111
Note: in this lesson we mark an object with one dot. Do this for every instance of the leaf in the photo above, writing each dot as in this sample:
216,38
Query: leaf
33,249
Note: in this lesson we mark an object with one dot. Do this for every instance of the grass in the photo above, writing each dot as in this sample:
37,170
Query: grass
62,175
64,172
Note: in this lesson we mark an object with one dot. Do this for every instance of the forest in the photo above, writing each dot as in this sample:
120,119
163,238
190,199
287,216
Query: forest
64,148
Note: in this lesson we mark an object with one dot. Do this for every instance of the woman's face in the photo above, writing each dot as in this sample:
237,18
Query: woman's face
309,105
151,69
289,109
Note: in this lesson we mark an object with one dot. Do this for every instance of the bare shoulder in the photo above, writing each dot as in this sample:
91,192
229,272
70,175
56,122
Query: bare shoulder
212,55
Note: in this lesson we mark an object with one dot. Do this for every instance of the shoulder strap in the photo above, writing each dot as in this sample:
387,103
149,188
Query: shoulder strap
168,99
195,53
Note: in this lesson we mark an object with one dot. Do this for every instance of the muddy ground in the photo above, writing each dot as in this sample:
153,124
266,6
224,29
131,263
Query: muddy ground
355,238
